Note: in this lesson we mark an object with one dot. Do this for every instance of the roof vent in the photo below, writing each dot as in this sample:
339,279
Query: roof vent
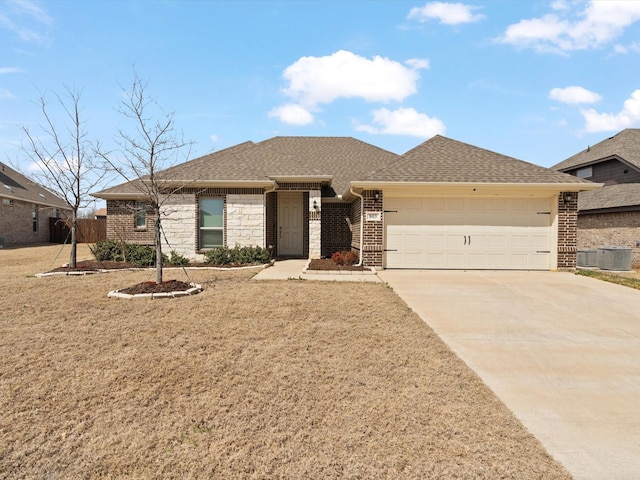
41,195
7,187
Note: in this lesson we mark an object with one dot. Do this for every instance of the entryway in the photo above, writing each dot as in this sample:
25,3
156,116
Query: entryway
290,224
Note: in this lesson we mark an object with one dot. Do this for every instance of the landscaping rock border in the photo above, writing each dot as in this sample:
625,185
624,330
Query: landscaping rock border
195,288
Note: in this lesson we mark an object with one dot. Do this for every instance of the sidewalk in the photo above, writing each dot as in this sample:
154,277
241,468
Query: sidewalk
293,270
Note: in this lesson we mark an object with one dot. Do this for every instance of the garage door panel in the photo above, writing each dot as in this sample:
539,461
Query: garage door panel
490,233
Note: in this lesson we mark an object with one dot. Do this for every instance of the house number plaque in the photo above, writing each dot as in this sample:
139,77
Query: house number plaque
374,216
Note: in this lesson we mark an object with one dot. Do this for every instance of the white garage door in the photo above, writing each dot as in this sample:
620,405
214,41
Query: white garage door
468,233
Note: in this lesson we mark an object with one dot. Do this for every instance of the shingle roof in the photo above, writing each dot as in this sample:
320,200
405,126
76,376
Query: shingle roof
16,186
342,158
625,144
612,196
442,159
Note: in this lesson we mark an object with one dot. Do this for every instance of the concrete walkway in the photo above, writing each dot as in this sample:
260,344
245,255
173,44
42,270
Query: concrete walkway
561,351
292,270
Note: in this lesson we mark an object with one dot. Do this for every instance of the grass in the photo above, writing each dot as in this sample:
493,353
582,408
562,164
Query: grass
631,281
245,380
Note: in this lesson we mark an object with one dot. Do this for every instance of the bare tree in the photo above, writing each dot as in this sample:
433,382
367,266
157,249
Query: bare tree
152,147
66,158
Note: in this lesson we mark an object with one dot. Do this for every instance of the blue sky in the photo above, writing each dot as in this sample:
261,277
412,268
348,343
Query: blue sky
535,80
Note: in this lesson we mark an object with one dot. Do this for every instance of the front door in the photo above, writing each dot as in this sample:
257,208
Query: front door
290,224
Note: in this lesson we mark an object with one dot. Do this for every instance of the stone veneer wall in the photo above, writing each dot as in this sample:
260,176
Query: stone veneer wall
179,216
567,231
16,223
619,229
315,224
245,220
336,227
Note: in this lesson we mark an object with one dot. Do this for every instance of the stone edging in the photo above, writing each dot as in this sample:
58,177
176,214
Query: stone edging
195,288
93,272
306,270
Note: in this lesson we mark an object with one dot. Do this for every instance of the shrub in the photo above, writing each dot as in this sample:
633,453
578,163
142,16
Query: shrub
237,255
137,255
177,260
108,250
345,257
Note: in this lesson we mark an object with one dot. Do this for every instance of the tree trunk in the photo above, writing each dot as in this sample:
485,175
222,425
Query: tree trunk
74,240
158,249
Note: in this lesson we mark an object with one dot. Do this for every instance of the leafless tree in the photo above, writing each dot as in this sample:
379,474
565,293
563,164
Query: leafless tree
65,157
151,147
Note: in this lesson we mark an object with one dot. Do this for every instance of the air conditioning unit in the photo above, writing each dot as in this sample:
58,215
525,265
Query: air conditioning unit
614,258
587,258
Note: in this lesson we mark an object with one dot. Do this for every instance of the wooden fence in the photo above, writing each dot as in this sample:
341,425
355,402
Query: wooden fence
89,230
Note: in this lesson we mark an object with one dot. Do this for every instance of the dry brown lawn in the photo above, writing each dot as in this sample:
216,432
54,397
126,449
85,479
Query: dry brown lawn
248,379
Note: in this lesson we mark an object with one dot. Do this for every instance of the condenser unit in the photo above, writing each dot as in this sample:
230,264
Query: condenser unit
587,258
614,258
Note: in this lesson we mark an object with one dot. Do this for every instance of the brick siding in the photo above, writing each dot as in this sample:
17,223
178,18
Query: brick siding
336,229
372,250
567,231
121,223
620,229
16,223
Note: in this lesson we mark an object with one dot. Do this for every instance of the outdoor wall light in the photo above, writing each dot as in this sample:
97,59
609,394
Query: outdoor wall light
315,205
376,197
567,197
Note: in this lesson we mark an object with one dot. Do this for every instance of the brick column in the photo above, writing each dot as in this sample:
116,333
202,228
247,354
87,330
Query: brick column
567,230
372,248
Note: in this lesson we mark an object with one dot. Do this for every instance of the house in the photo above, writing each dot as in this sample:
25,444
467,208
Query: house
101,214
443,204
25,209
609,216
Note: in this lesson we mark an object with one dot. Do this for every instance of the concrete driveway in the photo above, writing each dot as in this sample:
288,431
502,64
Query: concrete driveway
562,352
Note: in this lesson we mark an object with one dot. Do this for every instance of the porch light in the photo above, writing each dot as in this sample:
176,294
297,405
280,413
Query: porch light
315,205
376,197
567,197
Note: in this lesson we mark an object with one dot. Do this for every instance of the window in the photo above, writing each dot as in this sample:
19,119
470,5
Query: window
586,172
211,222
141,215
34,217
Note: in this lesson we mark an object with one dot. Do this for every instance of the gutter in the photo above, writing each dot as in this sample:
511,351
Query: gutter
359,264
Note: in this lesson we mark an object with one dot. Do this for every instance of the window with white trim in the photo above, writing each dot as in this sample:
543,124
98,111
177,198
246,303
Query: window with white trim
211,223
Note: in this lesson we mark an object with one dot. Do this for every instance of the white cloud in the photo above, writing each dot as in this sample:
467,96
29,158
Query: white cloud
573,26
5,70
604,122
418,63
403,121
446,13
574,95
26,20
632,47
292,114
318,80
213,137
6,94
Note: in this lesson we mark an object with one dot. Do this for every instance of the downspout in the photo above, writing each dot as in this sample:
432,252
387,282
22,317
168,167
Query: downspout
359,264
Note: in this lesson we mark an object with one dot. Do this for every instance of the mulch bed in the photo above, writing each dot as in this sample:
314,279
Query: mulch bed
328,264
153,287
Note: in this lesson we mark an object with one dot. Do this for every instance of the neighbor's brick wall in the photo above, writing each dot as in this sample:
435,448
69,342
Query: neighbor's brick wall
567,232
372,250
16,225
621,229
336,227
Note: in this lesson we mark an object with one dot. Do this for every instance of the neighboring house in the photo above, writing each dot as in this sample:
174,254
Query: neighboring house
101,214
609,216
444,204
25,209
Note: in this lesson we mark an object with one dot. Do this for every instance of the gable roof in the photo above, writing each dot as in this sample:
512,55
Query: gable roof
339,159
443,160
624,145
15,186
611,196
